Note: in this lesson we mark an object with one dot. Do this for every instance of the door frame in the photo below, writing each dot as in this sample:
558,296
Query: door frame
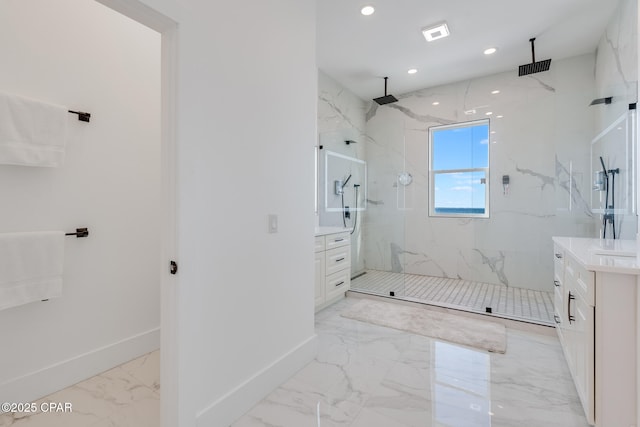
169,350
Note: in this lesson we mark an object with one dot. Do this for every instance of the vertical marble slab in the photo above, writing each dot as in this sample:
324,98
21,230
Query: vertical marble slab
616,75
341,118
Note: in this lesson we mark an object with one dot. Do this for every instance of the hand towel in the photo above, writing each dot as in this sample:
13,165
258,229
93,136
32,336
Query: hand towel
32,133
31,267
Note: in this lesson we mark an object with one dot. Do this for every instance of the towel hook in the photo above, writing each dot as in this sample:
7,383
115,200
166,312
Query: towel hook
82,116
80,232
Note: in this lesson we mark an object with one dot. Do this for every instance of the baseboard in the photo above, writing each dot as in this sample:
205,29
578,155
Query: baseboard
35,385
233,405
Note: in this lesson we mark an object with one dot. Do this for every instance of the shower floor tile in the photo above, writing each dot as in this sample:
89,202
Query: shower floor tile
514,303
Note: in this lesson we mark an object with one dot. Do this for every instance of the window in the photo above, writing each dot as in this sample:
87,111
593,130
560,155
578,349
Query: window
459,170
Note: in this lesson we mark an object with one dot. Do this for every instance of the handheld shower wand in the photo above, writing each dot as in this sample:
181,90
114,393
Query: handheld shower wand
344,209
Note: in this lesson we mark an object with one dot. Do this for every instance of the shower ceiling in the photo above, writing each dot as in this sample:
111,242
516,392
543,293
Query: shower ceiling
359,50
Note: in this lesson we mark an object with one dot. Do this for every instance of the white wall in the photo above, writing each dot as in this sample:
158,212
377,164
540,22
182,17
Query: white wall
82,55
246,128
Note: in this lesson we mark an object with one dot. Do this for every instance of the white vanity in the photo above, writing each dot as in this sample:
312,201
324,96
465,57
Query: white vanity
332,265
596,313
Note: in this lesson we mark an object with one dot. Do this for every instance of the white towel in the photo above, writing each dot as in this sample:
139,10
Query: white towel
32,133
30,267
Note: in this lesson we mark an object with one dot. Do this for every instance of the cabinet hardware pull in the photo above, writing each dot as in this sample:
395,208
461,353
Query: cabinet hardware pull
559,256
341,283
556,318
569,316
340,259
555,282
338,240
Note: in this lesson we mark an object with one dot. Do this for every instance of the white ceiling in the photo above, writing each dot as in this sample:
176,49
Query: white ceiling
358,50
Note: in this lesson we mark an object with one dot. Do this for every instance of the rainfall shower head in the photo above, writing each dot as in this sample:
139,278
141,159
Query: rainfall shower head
386,99
350,141
534,67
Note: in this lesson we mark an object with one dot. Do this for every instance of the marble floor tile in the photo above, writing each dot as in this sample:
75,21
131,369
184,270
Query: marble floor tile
114,398
363,376
374,376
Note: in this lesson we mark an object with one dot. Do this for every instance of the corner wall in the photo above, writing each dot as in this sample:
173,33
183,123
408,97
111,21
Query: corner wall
82,55
245,135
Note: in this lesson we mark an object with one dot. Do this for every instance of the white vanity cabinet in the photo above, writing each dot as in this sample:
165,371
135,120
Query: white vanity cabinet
595,314
332,265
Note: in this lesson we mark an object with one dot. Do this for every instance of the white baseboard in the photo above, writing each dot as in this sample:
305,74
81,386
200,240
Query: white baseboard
40,383
234,404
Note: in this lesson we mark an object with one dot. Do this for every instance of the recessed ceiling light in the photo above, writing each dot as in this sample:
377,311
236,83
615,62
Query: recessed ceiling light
488,113
493,132
495,92
435,103
367,10
500,116
494,141
470,112
412,70
490,51
436,32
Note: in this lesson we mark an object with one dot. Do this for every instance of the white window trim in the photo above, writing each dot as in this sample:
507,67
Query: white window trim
433,172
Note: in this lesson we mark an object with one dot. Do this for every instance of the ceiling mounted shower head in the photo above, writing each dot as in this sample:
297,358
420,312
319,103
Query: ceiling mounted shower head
350,141
386,99
534,67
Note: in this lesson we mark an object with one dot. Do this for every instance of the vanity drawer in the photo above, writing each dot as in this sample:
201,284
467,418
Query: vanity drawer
338,259
582,280
337,283
319,244
337,240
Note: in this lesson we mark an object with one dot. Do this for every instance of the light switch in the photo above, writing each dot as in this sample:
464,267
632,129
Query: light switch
273,223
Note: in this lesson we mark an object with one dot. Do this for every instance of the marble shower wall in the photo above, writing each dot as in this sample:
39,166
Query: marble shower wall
541,131
341,117
616,76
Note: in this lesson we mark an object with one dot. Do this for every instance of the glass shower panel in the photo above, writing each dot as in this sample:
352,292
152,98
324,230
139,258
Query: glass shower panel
613,170
342,187
383,234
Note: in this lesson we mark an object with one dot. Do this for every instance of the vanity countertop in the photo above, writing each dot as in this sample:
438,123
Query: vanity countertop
606,255
323,231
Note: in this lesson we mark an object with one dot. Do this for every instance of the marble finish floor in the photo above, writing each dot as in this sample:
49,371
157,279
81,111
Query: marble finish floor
364,376
513,303
371,376
125,396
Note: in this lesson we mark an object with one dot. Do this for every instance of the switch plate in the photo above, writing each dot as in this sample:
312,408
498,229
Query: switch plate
273,223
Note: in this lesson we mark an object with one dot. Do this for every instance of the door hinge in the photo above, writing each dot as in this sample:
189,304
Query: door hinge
173,267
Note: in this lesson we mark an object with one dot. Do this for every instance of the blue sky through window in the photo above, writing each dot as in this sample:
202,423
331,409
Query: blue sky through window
464,147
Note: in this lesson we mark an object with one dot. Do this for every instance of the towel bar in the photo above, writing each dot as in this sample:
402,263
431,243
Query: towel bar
80,232
82,116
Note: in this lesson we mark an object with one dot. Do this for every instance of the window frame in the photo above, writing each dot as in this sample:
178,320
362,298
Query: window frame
433,172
